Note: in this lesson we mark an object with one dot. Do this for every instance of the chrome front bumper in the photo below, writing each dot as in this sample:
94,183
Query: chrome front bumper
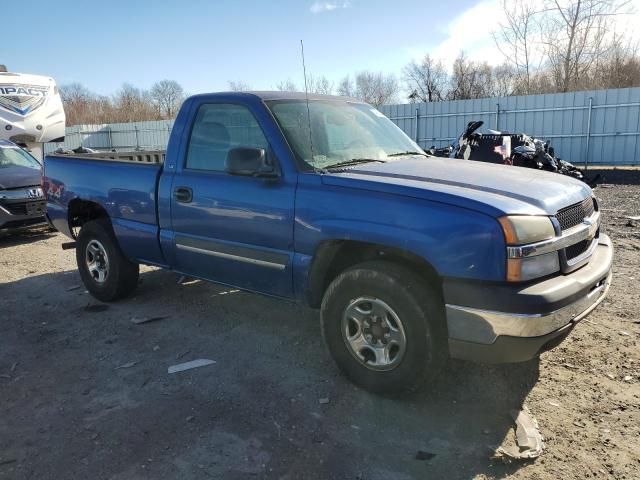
558,303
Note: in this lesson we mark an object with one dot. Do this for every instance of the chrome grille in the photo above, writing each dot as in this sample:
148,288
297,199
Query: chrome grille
575,214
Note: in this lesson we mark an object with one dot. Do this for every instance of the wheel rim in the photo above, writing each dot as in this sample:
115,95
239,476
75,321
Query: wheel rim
373,333
97,261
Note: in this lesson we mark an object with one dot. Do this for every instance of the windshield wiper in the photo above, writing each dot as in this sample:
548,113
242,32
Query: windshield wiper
353,161
401,154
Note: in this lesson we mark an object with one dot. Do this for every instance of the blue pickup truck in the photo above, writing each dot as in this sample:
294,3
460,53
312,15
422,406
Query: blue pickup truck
410,258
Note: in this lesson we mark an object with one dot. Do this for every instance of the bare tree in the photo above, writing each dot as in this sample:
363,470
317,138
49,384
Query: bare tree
82,106
375,88
620,68
346,87
577,34
287,86
167,96
470,79
320,85
75,93
505,80
516,38
133,104
238,86
426,80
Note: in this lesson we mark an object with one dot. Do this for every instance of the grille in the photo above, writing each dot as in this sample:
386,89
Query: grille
577,249
26,208
16,208
574,214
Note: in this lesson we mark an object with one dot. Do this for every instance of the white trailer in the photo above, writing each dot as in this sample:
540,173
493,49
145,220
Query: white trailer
31,111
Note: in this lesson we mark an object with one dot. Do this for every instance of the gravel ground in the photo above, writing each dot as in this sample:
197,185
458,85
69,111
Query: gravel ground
85,393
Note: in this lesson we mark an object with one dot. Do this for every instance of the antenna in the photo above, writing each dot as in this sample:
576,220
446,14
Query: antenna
306,92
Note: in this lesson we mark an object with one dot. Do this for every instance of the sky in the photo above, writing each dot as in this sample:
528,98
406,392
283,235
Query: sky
205,44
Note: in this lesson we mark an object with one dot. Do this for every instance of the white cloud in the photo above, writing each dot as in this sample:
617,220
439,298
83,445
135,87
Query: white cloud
628,24
320,7
472,30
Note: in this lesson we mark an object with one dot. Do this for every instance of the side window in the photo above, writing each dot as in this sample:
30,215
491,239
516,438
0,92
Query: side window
217,129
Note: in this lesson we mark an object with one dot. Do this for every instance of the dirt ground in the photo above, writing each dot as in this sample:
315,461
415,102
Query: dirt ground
85,393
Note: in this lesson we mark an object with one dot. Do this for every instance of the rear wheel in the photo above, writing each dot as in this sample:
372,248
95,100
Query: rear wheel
384,326
105,271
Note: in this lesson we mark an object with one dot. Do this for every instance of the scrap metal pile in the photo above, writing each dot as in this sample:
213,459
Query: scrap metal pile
518,149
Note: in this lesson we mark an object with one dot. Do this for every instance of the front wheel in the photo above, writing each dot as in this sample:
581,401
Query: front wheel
105,271
384,327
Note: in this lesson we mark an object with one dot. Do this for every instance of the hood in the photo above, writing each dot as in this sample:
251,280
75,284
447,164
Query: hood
16,177
490,188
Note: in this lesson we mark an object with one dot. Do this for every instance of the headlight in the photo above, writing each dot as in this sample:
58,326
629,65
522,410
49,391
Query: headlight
522,230
519,230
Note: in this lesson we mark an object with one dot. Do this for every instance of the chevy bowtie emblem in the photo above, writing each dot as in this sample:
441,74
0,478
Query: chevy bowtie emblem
34,192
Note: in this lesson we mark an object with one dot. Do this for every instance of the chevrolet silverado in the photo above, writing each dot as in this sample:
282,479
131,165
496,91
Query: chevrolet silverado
410,258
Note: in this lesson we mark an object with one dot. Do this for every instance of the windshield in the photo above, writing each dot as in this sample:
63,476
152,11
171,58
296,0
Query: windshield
16,157
342,133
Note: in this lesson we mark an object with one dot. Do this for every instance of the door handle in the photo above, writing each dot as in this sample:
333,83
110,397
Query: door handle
183,194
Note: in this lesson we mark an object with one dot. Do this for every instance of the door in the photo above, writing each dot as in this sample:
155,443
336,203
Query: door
231,229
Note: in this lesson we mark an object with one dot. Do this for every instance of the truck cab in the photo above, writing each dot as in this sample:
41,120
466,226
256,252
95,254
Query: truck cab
322,200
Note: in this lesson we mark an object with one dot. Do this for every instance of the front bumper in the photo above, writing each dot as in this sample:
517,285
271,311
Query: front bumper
12,222
507,323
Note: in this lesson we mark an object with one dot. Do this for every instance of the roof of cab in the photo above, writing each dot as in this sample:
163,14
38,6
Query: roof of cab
277,95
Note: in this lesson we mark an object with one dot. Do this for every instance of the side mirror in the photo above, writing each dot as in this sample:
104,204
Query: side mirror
249,162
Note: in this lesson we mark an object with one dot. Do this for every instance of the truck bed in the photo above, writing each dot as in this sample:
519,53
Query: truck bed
125,187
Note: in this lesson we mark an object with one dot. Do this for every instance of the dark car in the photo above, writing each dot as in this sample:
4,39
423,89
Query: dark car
22,203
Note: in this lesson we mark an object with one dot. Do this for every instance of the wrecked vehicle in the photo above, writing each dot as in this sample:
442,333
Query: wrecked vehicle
519,150
323,200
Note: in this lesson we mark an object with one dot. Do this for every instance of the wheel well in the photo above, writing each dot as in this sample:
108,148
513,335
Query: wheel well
81,212
334,257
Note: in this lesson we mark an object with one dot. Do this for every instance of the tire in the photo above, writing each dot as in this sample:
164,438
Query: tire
119,276
413,310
